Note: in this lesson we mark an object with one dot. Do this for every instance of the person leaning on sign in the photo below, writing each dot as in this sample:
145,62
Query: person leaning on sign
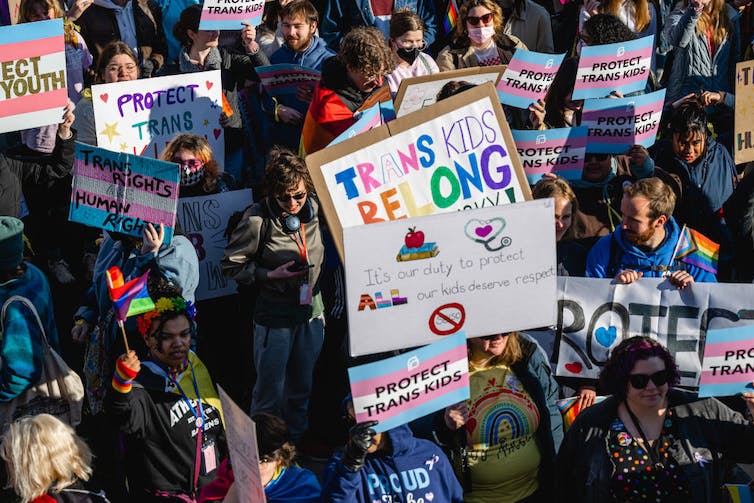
644,244
649,441
510,457
389,466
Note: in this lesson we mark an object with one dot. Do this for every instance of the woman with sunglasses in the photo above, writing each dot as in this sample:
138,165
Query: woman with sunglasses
277,248
506,435
200,173
407,43
649,441
478,40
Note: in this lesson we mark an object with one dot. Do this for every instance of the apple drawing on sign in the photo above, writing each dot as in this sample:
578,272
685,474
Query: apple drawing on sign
414,238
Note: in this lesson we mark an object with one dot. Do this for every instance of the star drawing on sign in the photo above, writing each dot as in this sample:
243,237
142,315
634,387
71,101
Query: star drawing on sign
206,122
123,147
110,131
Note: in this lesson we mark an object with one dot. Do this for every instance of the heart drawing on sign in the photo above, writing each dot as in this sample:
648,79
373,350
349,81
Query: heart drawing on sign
573,368
429,496
217,132
483,231
208,84
103,97
606,336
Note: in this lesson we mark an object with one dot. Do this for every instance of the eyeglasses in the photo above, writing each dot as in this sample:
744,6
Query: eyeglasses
190,164
475,20
116,68
287,197
640,381
493,337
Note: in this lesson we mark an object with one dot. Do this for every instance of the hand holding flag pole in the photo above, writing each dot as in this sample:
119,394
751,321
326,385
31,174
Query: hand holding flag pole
694,248
129,299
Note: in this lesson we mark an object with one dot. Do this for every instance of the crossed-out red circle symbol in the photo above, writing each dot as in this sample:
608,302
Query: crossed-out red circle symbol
453,315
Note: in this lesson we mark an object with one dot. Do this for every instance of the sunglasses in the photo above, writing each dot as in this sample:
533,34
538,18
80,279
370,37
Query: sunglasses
287,197
493,337
192,164
475,20
640,381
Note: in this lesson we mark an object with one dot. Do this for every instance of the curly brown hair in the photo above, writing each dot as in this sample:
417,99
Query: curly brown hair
198,146
365,50
283,171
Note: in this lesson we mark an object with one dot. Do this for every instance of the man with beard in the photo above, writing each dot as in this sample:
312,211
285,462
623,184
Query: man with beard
644,244
298,20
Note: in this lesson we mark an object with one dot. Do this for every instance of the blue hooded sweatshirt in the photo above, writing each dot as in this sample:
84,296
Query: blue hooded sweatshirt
651,263
416,470
312,57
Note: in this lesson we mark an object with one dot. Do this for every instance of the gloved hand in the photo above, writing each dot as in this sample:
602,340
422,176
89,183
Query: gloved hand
148,68
359,441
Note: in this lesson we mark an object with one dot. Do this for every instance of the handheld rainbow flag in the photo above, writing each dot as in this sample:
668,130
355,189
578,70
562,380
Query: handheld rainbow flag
130,298
697,249
451,17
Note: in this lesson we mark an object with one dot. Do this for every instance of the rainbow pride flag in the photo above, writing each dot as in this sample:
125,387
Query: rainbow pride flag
740,493
129,299
451,17
695,248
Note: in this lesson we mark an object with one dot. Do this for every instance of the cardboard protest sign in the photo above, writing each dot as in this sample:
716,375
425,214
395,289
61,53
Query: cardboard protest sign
285,79
13,9
416,93
142,116
615,124
743,144
528,77
32,66
728,364
203,219
411,385
623,66
244,453
229,14
557,151
456,154
406,289
595,315
122,192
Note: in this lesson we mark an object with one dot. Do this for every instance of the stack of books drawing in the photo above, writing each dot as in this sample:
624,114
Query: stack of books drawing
427,250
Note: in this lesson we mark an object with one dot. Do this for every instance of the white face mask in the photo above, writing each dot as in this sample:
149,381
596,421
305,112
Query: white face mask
481,35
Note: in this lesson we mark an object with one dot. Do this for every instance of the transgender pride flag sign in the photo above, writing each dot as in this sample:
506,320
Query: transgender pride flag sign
528,77
402,388
620,67
728,364
32,70
229,14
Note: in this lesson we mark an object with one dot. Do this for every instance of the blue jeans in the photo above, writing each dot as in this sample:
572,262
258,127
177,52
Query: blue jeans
284,359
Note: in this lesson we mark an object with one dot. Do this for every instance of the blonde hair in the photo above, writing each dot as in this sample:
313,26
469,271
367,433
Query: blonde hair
641,11
460,35
716,20
512,353
42,453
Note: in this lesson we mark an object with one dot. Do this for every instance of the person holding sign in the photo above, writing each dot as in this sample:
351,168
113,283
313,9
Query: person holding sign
171,417
478,40
639,16
648,440
277,246
506,457
645,244
407,43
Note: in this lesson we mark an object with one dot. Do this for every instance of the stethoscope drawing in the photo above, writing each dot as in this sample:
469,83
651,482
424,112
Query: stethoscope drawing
486,231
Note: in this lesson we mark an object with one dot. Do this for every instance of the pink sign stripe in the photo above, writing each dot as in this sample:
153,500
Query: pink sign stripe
708,378
610,84
34,103
544,168
31,48
592,115
244,16
89,171
135,210
589,62
517,65
719,348
461,383
574,144
367,386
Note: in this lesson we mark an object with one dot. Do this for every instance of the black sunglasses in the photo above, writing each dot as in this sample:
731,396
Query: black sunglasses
286,197
640,381
491,337
475,20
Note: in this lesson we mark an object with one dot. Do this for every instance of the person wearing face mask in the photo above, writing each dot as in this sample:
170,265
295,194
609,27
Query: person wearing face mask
407,43
200,173
478,40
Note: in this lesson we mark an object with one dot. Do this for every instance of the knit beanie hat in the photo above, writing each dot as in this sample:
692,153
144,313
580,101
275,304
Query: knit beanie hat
11,243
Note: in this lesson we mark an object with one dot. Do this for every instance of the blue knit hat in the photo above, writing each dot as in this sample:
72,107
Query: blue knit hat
11,243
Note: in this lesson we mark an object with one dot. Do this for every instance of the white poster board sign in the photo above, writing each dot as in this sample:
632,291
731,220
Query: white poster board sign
203,219
484,271
141,116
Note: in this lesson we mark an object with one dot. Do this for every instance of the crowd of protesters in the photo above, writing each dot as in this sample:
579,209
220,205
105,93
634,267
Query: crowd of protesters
152,427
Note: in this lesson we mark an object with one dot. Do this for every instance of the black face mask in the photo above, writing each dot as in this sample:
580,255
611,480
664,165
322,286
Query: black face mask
408,55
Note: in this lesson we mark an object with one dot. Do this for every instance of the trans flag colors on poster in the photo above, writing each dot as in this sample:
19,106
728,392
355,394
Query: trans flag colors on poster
402,388
728,365
558,151
32,66
122,192
528,77
615,124
623,67
229,14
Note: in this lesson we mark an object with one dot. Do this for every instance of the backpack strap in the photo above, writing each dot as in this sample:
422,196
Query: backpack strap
31,307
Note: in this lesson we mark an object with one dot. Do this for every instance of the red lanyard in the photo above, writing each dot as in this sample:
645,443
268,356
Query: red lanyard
302,246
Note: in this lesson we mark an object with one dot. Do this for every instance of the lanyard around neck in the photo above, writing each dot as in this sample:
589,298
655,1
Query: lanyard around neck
651,450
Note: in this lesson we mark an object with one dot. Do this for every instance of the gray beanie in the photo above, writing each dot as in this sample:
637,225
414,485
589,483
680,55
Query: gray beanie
11,243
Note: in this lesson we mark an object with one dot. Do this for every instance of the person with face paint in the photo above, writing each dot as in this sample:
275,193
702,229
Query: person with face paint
478,39
166,405
407,43
648,440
